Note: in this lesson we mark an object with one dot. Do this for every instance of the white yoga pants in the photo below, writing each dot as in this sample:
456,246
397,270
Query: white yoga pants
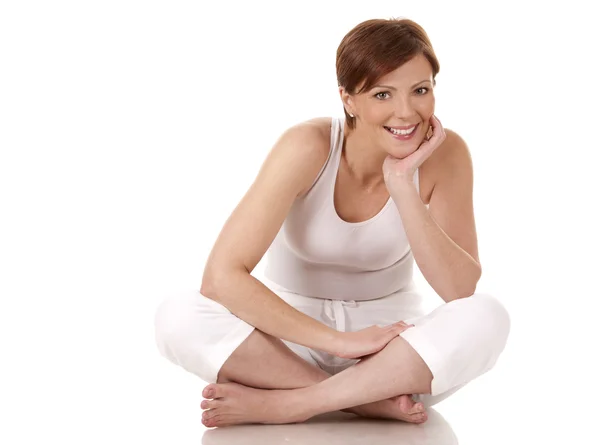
458,341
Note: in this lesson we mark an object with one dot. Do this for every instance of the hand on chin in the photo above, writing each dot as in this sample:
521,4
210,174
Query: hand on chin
403,169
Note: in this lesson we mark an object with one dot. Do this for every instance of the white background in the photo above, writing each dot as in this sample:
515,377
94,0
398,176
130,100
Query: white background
129,130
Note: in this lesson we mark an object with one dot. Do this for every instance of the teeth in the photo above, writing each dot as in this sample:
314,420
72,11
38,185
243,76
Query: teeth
402,132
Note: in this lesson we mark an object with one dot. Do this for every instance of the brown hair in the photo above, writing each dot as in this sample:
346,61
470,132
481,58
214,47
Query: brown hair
377,47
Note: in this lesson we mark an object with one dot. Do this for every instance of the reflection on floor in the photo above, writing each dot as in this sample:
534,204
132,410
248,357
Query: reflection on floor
336,429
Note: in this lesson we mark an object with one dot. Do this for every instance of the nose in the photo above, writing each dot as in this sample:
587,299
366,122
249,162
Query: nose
404,109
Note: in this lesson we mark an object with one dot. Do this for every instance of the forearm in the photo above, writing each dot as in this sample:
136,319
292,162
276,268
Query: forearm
250,300
450,271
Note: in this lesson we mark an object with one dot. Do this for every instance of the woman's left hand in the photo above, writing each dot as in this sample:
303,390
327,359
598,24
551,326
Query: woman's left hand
396,169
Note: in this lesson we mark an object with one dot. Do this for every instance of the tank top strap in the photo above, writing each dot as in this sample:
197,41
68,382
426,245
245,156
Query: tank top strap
335,142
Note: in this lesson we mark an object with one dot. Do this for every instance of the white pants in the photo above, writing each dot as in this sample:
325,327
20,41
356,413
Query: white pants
458,341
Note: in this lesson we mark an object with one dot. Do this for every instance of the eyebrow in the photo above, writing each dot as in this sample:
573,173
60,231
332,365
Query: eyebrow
393,88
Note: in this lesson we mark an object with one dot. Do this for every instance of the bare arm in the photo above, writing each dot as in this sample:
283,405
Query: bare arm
443,238
290,167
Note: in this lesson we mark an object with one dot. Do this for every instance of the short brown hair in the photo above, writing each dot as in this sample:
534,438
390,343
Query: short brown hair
377,47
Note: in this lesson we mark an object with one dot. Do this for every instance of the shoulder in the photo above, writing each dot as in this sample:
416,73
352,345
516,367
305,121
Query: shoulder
451,158
320,129
308,138
316,131
305,146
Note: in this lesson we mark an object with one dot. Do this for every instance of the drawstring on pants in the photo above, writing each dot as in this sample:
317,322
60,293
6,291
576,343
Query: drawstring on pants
334,309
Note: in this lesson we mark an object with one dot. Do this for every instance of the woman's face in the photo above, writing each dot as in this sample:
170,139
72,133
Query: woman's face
402,98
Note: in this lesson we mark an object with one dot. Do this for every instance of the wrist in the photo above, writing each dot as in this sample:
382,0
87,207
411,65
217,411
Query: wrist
332,341
402,186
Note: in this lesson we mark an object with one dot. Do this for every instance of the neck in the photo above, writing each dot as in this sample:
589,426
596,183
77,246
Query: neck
364,161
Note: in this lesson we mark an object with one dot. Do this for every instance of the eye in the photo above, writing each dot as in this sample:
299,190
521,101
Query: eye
423,88
381,92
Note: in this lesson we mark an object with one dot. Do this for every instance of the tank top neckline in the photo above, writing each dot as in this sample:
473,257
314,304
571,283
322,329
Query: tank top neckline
337,150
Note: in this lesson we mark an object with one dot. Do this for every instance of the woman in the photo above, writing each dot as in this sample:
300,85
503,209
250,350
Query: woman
343,206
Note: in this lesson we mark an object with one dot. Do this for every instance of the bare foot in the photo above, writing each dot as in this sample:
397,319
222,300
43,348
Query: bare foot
400,408
234,404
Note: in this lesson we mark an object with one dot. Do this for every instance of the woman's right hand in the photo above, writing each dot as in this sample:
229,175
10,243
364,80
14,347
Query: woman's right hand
367,341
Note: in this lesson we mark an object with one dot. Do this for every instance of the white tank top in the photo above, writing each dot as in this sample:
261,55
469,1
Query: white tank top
318,254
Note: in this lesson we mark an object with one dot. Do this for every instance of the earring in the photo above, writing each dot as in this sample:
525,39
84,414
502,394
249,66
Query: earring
351,115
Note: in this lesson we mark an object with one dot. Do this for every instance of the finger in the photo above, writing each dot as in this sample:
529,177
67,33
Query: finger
397,325
429,133
397,330
401,324
438,128
431,129
404,327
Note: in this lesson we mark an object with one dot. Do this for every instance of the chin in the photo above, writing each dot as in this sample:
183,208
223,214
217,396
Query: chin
402,153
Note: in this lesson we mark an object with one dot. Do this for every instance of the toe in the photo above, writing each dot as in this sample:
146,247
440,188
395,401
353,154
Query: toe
214,421
210,404
209,391
419,418
210,414
209,422
213,391
220,421
417,408
406,403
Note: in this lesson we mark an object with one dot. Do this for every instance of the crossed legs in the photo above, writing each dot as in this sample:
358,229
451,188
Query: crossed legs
263,381
263,361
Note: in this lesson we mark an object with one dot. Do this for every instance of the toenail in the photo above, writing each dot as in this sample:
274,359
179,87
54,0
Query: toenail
210,393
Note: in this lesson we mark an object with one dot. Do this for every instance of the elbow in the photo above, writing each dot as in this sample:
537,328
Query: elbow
217,282
467,292
465,287
458,294
207,288
469,286
210,283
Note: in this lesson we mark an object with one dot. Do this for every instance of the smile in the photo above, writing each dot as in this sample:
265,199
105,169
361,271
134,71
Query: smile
404,134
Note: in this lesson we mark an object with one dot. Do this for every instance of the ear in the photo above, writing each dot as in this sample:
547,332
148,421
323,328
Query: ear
347,100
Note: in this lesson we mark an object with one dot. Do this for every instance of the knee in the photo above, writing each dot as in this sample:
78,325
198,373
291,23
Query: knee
188,328
491,318
171,326
165,326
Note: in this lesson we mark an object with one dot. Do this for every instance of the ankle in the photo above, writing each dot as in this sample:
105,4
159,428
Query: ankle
308,402
298,404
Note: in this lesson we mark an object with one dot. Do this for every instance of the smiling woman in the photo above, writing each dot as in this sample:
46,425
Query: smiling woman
339,207
371,51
